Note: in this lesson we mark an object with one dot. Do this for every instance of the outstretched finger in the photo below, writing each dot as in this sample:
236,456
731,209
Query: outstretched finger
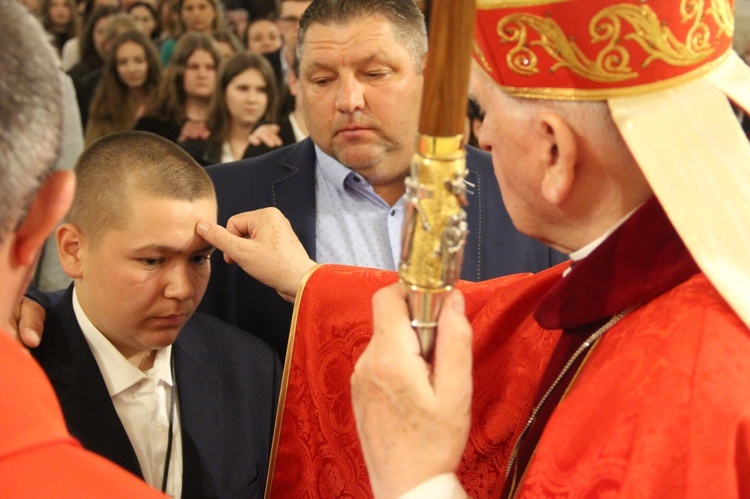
232,245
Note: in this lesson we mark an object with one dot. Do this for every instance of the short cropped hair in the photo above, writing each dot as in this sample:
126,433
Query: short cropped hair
30,112
404,16
117,167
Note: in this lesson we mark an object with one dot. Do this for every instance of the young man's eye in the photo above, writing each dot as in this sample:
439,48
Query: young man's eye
151,262
200,259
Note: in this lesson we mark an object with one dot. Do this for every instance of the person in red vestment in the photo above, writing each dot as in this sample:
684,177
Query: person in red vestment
38,457
625,374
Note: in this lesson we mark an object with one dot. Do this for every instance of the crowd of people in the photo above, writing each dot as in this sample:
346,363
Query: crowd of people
169,67
597,343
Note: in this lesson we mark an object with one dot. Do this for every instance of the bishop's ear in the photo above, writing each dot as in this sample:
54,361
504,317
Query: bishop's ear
559,153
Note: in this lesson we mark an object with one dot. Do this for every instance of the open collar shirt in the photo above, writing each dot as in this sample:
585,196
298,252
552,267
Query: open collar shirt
354,226
142,401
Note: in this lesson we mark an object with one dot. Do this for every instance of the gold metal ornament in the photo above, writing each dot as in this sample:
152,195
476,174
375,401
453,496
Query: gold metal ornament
434,231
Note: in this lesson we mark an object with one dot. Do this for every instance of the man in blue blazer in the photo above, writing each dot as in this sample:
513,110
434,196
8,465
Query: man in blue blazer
186,402
360,102
286,179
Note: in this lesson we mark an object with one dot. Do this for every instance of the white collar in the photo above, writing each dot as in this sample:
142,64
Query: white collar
585,251
118,373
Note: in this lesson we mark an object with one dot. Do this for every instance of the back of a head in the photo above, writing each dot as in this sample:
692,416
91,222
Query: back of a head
404,15
117,168
30,111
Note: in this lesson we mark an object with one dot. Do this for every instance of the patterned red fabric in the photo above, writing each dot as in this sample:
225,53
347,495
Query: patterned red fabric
593,49
661,408
318,452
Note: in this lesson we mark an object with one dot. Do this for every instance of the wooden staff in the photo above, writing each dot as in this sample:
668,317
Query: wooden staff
435,228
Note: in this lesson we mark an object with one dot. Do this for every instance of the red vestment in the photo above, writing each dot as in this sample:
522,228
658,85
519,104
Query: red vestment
660,408
38,457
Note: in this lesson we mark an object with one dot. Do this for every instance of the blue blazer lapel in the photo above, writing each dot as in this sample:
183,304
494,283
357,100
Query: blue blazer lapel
294,192
89,413
201,398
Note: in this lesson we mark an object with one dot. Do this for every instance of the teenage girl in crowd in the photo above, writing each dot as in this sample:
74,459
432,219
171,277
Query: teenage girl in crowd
246,97
197,16
60,20
179,106
144,14
131,74
263,36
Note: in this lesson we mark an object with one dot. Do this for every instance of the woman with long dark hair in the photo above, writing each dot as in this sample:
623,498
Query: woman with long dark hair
245,97
179,107
131,74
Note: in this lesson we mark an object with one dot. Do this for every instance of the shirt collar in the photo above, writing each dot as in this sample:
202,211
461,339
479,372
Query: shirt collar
582,253
299,135
333,172
641,259
118,373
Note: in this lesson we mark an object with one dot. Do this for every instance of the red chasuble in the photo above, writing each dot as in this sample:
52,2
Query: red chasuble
659,409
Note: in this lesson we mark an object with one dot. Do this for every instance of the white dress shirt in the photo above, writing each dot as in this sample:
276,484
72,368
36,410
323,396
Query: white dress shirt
142,401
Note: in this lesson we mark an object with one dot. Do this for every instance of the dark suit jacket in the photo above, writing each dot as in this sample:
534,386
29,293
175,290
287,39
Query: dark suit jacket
285,178
227,385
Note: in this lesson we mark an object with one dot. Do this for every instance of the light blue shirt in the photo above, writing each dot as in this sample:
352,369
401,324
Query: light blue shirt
354,226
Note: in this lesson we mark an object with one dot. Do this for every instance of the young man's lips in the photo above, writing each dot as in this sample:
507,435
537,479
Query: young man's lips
172,319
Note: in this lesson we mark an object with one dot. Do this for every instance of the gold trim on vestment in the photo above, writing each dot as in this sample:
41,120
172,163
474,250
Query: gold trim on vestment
509,4
285,380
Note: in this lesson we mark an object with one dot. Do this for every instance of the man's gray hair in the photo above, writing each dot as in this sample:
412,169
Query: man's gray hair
30,111
404,15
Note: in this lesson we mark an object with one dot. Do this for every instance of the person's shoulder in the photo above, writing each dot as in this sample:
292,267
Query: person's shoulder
286,158
476,159
223,338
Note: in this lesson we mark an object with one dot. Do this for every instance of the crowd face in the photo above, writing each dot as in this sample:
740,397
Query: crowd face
247,97
60,13
263,37
361,92
142,282
98,36
226,49
290,13
145,20
199,80
198,15
132,65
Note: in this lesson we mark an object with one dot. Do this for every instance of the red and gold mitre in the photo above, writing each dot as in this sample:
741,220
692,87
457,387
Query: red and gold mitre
596,49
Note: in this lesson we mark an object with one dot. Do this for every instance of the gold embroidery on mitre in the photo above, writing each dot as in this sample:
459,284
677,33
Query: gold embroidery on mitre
723,14
482,59
612,63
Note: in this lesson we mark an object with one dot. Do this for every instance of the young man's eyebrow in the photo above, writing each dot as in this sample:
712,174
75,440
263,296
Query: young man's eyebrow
160,248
